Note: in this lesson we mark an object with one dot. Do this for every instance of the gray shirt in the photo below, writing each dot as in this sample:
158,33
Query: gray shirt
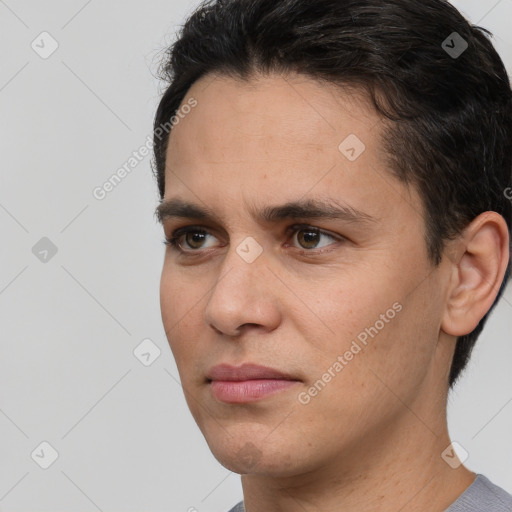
481,496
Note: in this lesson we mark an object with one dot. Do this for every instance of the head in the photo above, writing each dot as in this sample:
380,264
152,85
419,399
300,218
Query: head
290,108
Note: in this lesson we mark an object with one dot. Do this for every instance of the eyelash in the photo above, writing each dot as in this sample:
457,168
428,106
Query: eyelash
173,240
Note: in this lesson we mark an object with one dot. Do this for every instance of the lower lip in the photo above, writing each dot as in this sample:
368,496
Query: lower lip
238,392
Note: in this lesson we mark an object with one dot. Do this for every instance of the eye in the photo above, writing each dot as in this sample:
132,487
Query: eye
192,237
191,240
310,237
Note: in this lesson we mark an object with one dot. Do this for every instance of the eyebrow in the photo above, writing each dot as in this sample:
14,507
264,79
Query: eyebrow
302,209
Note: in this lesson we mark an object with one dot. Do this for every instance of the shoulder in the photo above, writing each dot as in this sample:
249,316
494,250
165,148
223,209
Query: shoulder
482,496
239,507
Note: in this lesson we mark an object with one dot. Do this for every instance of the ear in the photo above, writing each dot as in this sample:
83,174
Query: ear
477,273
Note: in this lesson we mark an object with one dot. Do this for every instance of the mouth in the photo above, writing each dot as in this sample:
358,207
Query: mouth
247,383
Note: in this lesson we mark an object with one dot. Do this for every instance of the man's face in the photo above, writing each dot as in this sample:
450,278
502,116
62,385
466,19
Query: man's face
349,308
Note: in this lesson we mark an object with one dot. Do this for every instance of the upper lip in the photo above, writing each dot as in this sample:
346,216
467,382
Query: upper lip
247,371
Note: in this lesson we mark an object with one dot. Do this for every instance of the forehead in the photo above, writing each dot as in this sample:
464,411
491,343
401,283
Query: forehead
279,138
276,115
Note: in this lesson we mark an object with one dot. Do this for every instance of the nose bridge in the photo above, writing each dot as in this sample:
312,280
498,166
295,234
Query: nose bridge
245,261
241,294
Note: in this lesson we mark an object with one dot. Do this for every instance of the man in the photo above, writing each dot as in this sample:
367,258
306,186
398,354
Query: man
333,177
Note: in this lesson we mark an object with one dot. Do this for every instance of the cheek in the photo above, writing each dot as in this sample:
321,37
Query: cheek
178,304
380,329
347,311
178,295
365,376
168,300
398,350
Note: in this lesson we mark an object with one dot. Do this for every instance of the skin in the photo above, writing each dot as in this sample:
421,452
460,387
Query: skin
372,438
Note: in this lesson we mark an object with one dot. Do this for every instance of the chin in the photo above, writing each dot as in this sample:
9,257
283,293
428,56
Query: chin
249,460
246,455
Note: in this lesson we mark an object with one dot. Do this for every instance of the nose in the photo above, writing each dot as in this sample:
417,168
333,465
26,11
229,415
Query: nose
244,295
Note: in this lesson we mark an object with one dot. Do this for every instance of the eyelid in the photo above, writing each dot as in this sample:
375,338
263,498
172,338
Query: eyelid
298,227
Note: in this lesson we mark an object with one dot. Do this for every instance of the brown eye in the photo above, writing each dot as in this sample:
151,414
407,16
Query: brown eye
310,238
189,240
194,239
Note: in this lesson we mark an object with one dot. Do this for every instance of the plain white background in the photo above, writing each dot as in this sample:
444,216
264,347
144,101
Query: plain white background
69,325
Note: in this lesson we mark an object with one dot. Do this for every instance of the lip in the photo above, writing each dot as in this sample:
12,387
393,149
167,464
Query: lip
247,371
247,383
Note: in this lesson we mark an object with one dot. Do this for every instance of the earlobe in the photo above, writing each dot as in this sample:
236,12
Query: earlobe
477,273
